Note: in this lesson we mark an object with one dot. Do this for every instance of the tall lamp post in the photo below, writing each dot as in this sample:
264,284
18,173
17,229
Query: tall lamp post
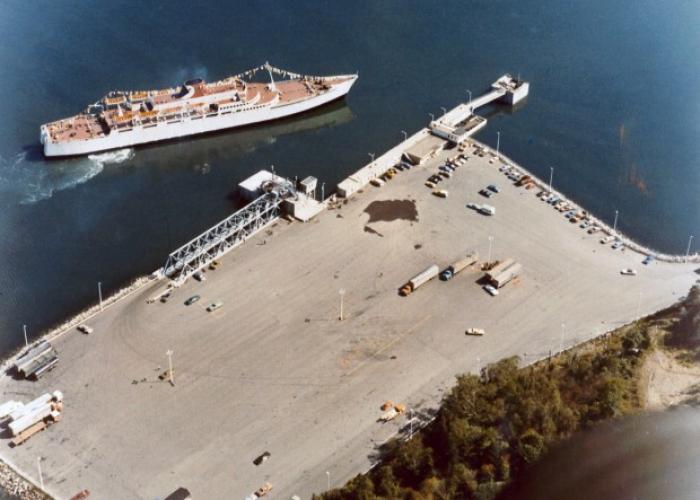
488,262
26,341
444,111
169,353
432,117
371,155
615,223
342,294
328,482
99,293
470,100
498,142
551,177
405,135
690,241
561,338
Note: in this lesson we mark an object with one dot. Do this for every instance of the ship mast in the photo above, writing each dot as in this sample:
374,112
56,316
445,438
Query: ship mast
272,80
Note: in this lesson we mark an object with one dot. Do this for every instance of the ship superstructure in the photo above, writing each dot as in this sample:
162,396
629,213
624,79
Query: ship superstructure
128,118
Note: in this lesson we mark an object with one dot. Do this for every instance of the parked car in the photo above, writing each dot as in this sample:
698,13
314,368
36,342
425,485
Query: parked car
473,206
648,260
486,193
491,290
441,193
494,188
628,272
164,298
214,306
262,458
199,276
616,245
474,331
85,329
192,300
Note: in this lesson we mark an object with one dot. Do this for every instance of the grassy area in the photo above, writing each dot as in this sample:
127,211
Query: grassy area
490,427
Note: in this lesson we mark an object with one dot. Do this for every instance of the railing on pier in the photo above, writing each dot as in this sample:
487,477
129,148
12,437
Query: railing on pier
222,237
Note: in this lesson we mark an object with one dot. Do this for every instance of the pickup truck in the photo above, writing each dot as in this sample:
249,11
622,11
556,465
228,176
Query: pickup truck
474,331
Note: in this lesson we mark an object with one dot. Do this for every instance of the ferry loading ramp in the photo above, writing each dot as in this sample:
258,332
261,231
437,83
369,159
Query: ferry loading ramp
275,370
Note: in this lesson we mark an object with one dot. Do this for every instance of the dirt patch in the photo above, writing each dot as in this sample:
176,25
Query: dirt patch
391,210
667,382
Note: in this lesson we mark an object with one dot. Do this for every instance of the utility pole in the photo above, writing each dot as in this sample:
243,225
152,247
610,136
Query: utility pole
551,177
41,476
488,262
615,223
690,240
561,338
470,99
342,294
498,142
405,135
26,341
99,292
371,155
169,353
323,194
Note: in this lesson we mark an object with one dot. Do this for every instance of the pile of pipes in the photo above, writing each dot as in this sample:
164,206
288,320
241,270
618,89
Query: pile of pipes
25,420
36,361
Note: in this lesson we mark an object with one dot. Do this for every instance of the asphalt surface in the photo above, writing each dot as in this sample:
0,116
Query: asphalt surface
275,370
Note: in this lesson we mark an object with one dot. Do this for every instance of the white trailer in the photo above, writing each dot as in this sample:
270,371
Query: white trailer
8,407
420,279
504,273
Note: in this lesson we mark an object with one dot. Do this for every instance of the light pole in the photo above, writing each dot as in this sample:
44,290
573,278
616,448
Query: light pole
371,155
99,292
432,117
169,353
26,342
405,135
470,99
561,338
41,476
328,477
444,111
342,294
690,241
615,223
323,197
639,305
551,177
488,262
272,167
498,142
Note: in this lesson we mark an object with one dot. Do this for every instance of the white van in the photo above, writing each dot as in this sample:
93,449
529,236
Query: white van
214,306
487,210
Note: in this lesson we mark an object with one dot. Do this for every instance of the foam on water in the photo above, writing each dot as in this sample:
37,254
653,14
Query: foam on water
28,182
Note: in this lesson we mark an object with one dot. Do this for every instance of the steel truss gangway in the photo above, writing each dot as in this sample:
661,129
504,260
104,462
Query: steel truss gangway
222,237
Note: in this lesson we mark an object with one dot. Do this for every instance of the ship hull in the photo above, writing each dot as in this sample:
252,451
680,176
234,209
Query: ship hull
164,131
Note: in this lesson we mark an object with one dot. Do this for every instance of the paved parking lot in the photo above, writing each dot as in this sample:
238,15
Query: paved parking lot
275,370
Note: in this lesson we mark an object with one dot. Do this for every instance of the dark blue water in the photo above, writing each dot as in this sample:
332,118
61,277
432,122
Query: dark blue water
613,107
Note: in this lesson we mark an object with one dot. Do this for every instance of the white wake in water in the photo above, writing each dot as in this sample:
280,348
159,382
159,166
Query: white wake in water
35,181
118,156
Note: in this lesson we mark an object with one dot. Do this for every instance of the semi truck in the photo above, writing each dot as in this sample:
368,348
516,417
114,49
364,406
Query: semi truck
418,280
458,266
503,273
35,417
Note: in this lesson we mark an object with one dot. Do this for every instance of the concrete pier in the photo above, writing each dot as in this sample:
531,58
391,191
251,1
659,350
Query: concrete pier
275,369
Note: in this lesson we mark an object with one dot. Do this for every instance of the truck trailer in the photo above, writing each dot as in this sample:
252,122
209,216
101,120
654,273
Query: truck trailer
459,266
419,279
503,273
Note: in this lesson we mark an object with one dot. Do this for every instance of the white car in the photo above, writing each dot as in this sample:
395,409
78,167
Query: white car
628,272
85,329
490,289
214,306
